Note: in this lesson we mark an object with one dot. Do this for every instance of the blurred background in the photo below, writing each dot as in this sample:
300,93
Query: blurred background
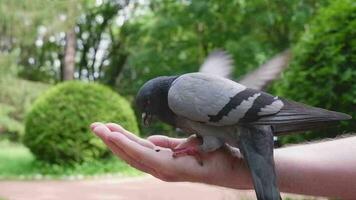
65,64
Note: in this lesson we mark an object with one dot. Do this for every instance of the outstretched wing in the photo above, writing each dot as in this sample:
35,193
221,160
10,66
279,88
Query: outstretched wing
263,75
218,63
218,101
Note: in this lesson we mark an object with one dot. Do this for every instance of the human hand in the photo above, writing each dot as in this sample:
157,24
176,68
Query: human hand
154,156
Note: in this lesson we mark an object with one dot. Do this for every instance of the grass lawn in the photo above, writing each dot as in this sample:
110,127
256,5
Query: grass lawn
17,162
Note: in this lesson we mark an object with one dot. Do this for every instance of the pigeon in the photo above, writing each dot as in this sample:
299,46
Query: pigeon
222,112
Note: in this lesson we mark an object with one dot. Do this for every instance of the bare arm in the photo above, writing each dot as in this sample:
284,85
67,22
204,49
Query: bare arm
320,169
326,168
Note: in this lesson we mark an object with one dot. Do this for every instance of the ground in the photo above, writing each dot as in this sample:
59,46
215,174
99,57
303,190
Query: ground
147,188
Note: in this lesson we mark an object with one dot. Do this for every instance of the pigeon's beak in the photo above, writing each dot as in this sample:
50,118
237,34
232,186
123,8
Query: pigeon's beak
146,118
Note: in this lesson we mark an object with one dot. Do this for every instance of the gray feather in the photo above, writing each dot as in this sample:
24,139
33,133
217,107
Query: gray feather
256,146
218,101
296,117
218,63
260,77
195,96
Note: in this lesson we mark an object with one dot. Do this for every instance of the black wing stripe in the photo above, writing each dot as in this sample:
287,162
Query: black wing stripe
232,104
258,104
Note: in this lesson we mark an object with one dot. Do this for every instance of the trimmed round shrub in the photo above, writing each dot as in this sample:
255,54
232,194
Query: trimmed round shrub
323,70
57,126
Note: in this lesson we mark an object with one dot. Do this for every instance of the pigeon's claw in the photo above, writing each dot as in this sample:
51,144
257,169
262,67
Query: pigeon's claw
188,151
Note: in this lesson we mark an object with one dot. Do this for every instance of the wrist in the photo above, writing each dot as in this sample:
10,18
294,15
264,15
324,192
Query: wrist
241,176
237,176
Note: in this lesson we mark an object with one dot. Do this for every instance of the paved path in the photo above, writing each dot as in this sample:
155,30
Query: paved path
144,188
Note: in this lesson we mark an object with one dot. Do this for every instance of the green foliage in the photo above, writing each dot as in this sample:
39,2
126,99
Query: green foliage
8,67
9,128
17,162
126,43
16,97
174,37
166,37
57,127
19,16
323,72
20,94
100,46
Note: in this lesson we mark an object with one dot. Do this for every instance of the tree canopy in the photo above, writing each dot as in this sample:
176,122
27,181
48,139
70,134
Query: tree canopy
323,71
123,43
133,38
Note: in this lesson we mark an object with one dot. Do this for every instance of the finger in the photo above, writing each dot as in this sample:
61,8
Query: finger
117,128
129,160
162,164
102,131
137,151
164,141
95,124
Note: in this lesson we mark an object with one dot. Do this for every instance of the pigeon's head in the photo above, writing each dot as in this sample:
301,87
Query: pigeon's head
151,99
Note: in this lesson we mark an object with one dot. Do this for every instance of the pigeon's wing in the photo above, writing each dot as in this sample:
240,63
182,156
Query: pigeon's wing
296,117
259,78
218,63
218,101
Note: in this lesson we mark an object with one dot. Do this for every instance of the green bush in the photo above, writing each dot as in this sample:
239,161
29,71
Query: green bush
57,127
323,70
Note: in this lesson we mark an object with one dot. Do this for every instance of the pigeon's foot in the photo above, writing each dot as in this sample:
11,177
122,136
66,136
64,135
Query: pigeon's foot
235,153
188,151
189,148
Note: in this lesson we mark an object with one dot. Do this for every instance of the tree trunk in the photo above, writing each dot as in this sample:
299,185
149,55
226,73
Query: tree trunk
69,56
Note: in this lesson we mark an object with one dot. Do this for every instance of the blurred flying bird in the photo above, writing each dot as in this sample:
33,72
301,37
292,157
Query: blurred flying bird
222,112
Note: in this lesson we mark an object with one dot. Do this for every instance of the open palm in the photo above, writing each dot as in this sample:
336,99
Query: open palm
154,156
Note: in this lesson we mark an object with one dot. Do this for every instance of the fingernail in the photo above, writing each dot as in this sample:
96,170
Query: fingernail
94,125
99,131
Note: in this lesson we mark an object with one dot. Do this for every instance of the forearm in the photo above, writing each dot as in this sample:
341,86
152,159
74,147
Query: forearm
321,169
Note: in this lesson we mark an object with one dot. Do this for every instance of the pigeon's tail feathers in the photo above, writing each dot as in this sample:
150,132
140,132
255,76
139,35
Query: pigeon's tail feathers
282,129
265,191
296,117
256,146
